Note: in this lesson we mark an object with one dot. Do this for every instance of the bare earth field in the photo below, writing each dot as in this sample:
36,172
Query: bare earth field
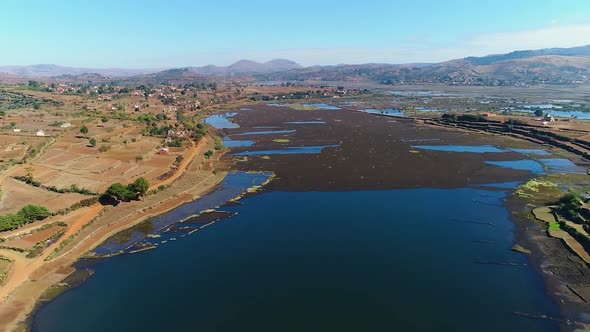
16,194
90,226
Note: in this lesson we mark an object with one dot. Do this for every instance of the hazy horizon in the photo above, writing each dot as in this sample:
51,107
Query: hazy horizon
177,34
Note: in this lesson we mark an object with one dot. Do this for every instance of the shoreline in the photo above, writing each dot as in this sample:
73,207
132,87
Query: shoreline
513,204
18,304
63,286
545,252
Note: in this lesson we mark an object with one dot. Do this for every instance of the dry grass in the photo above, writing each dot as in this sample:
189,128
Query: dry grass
16,194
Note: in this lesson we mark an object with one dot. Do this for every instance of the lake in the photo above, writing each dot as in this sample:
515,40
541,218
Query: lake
402,260
321,249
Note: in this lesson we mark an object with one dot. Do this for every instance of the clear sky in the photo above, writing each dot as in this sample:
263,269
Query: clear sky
173,33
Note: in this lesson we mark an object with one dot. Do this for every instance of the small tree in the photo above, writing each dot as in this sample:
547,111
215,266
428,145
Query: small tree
120,192
139,186
84,130
539,112
33,212
208,154
92,142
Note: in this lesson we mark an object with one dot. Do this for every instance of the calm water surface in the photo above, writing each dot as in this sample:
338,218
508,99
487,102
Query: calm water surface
391,260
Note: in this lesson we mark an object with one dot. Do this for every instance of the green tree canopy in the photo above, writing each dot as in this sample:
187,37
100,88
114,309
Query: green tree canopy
120,192
140,186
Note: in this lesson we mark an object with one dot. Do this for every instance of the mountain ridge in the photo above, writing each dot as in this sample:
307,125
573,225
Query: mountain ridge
550,65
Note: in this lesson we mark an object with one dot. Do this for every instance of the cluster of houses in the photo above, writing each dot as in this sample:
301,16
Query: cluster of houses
41,132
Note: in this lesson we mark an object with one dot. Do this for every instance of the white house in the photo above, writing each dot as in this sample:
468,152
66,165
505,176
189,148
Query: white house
66,125
16,130
40,133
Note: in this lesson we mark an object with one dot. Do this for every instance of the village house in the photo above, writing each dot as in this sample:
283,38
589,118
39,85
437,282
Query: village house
65,125
16,130
40,133
549,117
164,151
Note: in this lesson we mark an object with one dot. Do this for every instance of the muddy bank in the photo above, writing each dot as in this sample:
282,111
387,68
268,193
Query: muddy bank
566,276
376,152
372,152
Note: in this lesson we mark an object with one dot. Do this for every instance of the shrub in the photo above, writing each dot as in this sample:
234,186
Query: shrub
470,118
139,186
120,192
27,214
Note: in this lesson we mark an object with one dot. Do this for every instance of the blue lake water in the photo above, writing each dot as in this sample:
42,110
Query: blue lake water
323,106
288,150
322,261
538,166
523,165
561,113
561,165
266,132
538,152
426,110
541,106
221,121
232,143
481,149
461,148
387,112
233,185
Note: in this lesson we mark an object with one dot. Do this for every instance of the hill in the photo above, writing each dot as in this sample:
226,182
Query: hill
548,66
247,67
545,66
48,70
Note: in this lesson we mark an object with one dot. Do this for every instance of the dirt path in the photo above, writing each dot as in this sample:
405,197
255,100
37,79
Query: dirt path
23,268
184,164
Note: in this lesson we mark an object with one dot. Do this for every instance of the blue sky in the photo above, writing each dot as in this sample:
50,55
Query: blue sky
171,33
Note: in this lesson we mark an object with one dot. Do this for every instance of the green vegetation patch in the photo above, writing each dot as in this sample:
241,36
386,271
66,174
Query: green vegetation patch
536,186
132,191
13,100
554,226
27,214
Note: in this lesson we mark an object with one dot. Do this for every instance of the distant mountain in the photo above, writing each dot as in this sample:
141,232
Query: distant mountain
247,67
46,70
550,66
241,67
553,65
490,59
